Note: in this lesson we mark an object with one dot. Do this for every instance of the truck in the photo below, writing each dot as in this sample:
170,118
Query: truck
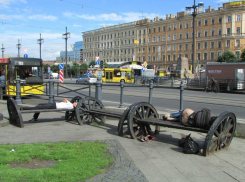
227,74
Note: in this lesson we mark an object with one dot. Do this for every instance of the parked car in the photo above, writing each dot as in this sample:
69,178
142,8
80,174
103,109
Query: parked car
46,76
87,79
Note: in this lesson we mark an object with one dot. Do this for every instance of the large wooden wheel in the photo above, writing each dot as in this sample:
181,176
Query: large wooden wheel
15,117
71,115
122,128
83,108
220,133
142,110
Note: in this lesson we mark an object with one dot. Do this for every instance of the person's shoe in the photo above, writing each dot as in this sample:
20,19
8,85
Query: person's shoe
33,120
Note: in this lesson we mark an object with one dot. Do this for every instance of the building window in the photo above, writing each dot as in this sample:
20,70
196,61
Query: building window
169,37
205,55
174,47
169,27
213,21
143,41
149,49
149,40
206,33
163,57
140,32
154,30
199,23
169,47
154,39
228,30
206,22
228,43
212,55
174,57
174,38
213,32
219,44
205,45
159,29
153,58
144,31
133,32
149,58
220,20
149,30
186,55
180,36
168,57
158,38
153,49
199,34
186,35
198,56
186,46
186,25
212,45
237,53
238,17
163,38
139,50
220,31
238,43
163,48
180,47
238,30
143,51
198,45
175,27
229,19
164,28
180,26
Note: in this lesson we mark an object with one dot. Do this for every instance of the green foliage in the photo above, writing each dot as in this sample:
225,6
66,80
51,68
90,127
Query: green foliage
54,68
227,56
73,161
84,66
243,56
45,68
92,63
75,67
106,65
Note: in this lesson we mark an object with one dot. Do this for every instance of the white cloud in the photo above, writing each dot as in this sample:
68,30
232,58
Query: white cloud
122,17
43,17
4,4
11,17
76,25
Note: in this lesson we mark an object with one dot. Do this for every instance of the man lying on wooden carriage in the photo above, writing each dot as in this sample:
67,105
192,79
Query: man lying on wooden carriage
65,104
188,117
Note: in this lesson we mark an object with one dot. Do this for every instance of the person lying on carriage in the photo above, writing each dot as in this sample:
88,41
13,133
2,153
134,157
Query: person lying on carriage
65,104
188,117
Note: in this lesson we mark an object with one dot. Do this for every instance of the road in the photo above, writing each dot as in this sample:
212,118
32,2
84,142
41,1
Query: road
167,99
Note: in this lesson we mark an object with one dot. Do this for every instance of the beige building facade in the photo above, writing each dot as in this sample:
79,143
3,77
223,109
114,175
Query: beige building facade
162,41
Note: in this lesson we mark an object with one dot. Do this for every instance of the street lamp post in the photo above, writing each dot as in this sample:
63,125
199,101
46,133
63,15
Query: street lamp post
194,14
66,36
40,42
3,49
18,46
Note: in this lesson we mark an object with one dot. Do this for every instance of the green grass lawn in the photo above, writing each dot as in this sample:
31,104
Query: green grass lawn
73,161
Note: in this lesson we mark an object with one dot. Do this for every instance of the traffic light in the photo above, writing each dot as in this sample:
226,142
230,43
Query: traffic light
101,64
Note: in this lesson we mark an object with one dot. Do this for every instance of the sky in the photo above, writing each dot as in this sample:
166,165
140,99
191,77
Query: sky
25,20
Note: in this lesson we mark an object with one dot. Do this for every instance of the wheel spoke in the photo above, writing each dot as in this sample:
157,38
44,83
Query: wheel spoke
228,128
216,133
138,114
214,144
147,112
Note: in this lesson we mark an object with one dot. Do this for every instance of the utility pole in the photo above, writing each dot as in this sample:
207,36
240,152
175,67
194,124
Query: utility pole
18,46
66,36
40,42
2,51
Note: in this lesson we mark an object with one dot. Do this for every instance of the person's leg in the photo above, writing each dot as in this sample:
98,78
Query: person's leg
42,106
173,116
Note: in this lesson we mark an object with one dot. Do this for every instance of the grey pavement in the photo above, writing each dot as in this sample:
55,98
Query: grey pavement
159,160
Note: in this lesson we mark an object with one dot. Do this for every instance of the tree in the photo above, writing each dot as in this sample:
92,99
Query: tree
227,56
84,67
45,68
106,65
54,68
243,56
92,63
75,68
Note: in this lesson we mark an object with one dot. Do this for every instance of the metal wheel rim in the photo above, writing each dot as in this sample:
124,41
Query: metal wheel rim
141,110
220,133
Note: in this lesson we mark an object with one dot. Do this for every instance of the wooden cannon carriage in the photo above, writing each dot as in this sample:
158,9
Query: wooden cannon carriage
137,119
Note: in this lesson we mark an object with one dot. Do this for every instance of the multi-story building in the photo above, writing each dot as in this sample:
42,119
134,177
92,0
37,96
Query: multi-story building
162,41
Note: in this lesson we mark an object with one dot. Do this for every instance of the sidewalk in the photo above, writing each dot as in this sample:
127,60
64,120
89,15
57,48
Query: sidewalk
159,160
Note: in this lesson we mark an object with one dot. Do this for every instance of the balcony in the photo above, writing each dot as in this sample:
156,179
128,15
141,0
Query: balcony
235,35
